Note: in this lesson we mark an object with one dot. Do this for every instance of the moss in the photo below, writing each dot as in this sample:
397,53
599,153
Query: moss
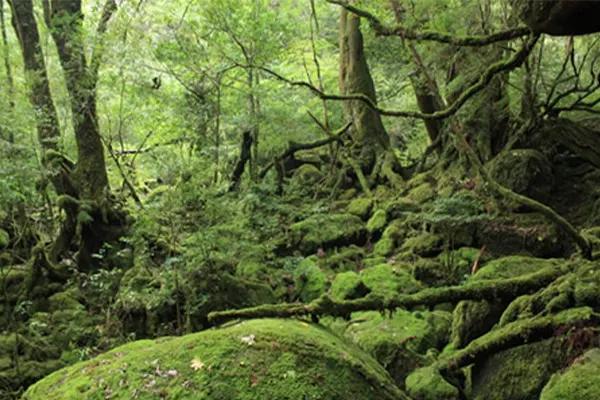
260,359
580,382
307,175
5,362
524,171
398,342
422,193
472,319
396,230
310,281
384,247
373,261
326,230
377,222
344,259
427,384
251,269
519,373
388,280
401,207
460,262
347,286
64,301
511,266
361,207
425,245
431,272
4,239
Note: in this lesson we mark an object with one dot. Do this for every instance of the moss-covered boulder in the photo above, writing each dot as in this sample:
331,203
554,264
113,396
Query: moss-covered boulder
401,208
388,280
580,382
327,230
306,175
524,171
377,222
422,193
255,360
527,234
343,259
426,244
310,281
348,286
384,247
519,373
4,239
427,384
361,207
401,341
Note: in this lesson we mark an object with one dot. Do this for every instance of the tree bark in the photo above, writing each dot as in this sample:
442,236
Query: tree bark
23,21
368,132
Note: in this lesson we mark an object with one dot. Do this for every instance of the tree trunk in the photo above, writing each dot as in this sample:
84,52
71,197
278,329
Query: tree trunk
368,132
66,17
23,21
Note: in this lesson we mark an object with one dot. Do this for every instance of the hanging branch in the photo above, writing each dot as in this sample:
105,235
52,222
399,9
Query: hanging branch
512,63
399,30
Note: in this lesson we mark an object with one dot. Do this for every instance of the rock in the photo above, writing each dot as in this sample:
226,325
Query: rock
310,281
361,207
327,230
580,382
524,171
384,247
427,384
426,244
401,207
307,175
253,360
422,193
560,17
519,373
377,222
348,286
388,280
401,341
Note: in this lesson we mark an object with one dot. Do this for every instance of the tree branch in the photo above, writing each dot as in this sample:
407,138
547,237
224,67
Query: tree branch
479,290
398,30
502,66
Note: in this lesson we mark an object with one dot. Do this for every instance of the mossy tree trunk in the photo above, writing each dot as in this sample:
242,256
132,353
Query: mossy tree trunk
368,132
89,177
23,21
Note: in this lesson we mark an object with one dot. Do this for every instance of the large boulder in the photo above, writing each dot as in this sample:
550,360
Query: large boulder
524,171
260,359
326,231
560,17
580,382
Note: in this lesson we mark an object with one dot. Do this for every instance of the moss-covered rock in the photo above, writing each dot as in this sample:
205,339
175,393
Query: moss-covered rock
306,175
384,247
388,280
422,193
361,207
401,208
426,244
527,234
4,239
260,359
427,384
524,171
343,259
401,341
512,266
519,373
328,230
377,222
348,286
310,281
580,382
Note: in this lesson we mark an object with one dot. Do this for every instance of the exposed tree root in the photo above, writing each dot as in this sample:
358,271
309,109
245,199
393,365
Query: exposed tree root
516,334
481,290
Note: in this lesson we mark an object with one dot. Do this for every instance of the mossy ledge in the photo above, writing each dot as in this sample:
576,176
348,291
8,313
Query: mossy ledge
253,360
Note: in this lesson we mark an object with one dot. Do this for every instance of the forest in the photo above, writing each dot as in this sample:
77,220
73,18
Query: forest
316,199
